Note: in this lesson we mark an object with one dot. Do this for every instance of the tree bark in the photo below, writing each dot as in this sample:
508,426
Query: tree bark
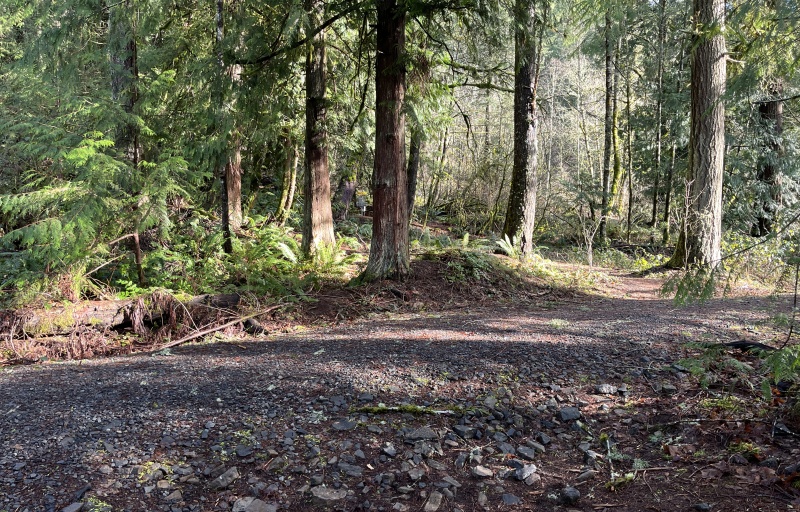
662,7
433,196
222,159
521,212
609,134
616,175
233,168
291,157
414,156
700,239
671,168
317,212
771,114
389,254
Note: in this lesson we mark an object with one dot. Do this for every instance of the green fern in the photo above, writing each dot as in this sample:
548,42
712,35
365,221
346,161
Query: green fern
510,247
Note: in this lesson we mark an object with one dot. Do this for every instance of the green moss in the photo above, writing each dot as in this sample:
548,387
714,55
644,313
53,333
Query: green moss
416,410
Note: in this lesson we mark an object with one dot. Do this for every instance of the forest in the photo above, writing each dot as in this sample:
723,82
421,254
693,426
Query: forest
462,255
202,148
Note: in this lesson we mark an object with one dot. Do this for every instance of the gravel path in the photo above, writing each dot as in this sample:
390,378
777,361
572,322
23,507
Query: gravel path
504,408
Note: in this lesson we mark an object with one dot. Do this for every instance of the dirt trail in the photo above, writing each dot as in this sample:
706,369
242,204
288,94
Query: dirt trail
543,406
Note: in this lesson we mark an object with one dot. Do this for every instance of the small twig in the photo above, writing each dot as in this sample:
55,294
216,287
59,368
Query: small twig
644,479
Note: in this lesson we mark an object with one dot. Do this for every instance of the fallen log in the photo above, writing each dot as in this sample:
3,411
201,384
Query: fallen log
142,315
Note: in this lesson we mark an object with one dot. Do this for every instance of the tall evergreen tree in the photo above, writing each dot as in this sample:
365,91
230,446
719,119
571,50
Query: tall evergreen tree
389,251
701,237
317,213
529,16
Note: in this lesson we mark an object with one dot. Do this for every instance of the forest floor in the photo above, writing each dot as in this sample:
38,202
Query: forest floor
431,395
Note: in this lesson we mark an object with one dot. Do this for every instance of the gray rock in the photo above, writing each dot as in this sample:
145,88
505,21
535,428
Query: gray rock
537,446
74,507
250,504
434,502
422,434
452,481
416,473
702,507
464,431
590,458
586,475
225,479
482,472
174,497
343,425
350,470
490,402
605,389
534,480
525,471
389,450
325,496
526,453
669,389
569,414
506,448
570,495
243,451
510,499
543,438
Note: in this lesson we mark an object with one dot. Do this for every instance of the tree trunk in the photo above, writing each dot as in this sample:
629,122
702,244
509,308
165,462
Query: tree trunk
233,167
771,113
388,255
222,158
671,168
521,212
433,196
659,106
629,148
317,213
668,188
699,243
414,156
609,134
291,157
616,176
233,181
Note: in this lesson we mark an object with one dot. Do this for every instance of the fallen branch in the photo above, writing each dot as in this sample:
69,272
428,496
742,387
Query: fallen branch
411,409
215,329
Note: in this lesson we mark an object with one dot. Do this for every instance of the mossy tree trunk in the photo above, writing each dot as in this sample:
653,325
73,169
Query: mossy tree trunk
609,134
701,236
521,211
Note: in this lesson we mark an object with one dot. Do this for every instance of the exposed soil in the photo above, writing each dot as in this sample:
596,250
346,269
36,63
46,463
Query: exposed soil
429,395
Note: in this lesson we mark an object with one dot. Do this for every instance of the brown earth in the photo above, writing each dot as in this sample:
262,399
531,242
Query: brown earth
453,391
